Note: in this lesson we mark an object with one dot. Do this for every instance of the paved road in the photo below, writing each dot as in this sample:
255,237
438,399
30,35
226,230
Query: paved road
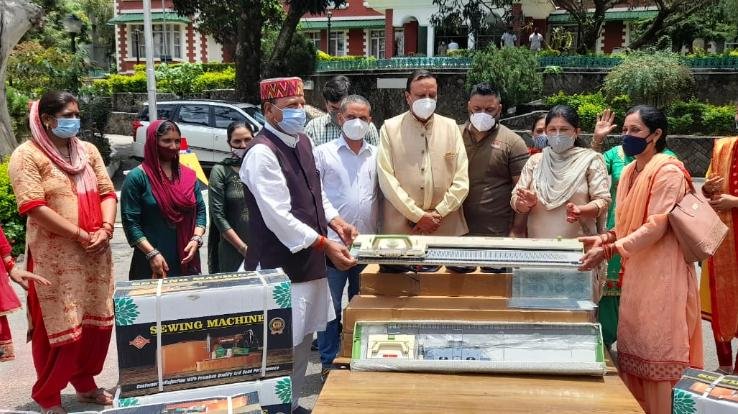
17,377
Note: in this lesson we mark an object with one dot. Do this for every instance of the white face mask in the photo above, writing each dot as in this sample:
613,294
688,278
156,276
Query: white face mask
482,121
560,143
355,129
423,108
239,152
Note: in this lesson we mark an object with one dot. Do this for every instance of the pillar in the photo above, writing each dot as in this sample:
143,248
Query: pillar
431,41
389,34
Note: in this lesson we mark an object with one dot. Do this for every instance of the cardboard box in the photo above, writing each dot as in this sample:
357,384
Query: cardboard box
494,309
274,395
441,283
705,392
200,331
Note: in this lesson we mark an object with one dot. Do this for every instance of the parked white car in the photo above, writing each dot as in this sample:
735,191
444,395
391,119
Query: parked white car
202,122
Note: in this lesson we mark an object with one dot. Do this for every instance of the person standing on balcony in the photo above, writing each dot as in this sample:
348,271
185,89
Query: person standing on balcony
348,172
536,40
423,169
289,217
326,128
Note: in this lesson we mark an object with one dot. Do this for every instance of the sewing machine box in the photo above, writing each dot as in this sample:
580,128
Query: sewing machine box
703,392
273,395
200,331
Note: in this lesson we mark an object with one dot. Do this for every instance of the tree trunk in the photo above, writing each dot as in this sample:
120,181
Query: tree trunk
284,40
16,17
649,36
248,52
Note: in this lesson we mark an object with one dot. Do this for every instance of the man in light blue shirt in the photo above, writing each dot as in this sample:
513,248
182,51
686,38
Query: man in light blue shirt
348,172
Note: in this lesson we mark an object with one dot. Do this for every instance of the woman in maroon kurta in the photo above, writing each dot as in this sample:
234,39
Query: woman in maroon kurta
8,299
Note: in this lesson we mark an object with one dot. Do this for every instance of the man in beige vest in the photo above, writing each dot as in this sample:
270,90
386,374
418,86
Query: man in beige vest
422,166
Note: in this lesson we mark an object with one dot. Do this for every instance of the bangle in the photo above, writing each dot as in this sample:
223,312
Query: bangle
150,255
609,250
198,239
9,265
321,242
242,249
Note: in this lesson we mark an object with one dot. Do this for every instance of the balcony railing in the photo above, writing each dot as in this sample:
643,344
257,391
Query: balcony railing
442,62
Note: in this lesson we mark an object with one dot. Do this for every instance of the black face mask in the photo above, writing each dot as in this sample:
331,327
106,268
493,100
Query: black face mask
633,145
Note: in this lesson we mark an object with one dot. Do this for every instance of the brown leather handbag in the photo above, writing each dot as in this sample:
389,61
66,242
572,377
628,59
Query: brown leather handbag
697,227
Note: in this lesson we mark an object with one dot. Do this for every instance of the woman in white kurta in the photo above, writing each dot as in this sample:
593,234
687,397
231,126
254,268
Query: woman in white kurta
564,189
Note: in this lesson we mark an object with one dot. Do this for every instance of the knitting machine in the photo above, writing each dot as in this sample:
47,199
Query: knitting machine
467,251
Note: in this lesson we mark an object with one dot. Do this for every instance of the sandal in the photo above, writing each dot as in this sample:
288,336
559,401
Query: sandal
57,409
99,396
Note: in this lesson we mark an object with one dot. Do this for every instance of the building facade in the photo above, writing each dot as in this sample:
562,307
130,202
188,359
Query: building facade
176,38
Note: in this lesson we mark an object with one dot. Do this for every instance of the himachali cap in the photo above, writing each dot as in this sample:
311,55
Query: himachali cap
280,88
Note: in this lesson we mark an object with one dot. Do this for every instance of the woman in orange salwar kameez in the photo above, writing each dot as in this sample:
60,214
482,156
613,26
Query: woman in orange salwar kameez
61,183
659,333
719,281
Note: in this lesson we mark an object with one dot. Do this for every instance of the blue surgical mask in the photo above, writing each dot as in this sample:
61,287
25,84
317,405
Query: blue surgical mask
540,141
633,146
293,120
66,127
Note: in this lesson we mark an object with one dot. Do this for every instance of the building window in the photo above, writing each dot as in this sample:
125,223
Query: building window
337,44
376,43
167,41
314,37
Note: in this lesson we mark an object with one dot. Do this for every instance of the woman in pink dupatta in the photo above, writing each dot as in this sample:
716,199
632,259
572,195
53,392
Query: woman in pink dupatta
61,184
659,333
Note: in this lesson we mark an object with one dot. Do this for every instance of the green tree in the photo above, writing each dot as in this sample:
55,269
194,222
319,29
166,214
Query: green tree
515,72
671,19
589,23
242,23
453,14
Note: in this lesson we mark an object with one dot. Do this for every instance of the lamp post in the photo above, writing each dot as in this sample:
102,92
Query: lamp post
329,14
73,25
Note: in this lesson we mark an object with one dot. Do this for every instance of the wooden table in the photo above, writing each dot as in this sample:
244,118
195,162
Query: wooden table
357,392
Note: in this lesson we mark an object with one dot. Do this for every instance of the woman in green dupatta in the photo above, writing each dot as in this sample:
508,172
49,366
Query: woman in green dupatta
615,161
227,241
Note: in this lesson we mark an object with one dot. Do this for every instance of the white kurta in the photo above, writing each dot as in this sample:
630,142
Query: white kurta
311,301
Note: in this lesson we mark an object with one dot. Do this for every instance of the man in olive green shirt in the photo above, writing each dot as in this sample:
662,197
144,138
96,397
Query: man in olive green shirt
496,156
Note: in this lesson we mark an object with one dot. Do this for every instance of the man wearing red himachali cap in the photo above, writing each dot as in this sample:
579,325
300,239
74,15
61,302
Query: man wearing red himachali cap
290,215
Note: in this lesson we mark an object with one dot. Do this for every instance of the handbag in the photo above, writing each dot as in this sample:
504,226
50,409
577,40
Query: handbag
697,227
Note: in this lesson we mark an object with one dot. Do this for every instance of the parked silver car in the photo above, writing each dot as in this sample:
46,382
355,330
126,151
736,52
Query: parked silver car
202,122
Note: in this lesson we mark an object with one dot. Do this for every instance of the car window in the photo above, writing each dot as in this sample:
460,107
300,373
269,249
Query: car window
224,116
194,114
162,111
255,113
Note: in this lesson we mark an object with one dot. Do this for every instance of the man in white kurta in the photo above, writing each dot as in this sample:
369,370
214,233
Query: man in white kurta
289,215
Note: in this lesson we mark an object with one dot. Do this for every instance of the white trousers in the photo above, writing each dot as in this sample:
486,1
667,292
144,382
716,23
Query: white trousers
300,355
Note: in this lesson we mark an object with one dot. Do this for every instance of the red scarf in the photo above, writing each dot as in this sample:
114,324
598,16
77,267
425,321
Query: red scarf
175,197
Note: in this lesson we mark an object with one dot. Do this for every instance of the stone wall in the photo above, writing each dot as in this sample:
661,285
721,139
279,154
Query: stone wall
133,102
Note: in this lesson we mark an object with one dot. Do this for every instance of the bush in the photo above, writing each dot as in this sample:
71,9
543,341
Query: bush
127,83
652,78
515,72
18,109
95,113
719,120
177,79
324,57
215,80
687,116
34,69
217,67
13,225
589,106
